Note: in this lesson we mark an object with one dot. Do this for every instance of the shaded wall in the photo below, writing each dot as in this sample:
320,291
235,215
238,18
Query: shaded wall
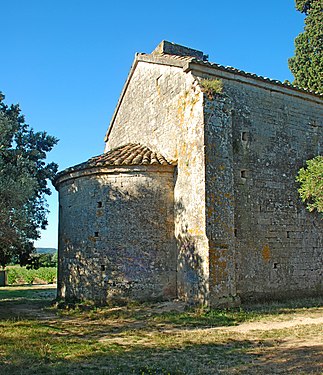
278,244
162,108
116,234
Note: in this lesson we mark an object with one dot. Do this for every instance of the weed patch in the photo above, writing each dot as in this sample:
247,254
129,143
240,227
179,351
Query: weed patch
211,87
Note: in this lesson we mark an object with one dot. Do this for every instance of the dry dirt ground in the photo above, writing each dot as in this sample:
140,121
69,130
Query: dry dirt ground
285,344
290,353
290,343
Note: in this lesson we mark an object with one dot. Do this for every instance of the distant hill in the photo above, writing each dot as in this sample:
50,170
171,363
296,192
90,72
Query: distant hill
46,250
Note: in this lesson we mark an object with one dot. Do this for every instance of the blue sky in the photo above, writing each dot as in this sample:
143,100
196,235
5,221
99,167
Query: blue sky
65,62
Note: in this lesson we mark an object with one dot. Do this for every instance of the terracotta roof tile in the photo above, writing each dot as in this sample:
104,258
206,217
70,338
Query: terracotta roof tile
127,155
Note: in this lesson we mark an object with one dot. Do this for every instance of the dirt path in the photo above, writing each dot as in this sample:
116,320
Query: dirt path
295,353
30,308
298,320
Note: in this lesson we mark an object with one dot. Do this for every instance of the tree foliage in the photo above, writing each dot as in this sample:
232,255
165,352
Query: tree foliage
43,260
307,64
23,184
311,181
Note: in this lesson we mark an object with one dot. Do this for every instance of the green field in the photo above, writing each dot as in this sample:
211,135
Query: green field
22,275
39,338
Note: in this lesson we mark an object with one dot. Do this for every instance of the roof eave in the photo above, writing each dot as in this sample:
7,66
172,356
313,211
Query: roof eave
199,67
72,174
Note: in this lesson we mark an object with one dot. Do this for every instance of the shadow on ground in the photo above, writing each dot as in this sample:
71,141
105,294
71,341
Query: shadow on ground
232,357
139,340
26,301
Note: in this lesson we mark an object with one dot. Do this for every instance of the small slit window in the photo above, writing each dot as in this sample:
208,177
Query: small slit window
243,173
244,136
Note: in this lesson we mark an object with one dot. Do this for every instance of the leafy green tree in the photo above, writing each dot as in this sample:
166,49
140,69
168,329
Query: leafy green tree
307,64
311,181
23,184
42,260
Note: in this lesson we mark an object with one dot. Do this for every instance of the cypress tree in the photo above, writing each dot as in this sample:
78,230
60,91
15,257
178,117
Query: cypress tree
307,64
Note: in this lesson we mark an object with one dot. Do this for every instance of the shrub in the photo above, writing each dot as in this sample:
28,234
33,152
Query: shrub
311,184
211,87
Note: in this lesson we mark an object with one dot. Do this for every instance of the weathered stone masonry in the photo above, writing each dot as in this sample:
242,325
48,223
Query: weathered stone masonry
116,228
224,221
277,243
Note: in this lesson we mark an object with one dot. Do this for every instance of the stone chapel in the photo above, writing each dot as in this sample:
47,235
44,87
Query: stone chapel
194,197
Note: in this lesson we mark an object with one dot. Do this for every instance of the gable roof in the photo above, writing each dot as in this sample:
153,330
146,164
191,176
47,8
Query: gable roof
164,55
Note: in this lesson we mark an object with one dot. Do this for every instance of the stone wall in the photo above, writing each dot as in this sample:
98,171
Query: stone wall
220,200
162,108
116,234
278,244
240,227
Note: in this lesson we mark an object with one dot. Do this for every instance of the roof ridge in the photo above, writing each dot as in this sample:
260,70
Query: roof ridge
254,75
230,69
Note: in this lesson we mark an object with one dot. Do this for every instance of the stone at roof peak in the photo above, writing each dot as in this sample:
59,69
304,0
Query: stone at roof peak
169,48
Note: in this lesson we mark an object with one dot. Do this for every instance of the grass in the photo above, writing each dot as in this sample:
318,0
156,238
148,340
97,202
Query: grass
148,339
16,294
